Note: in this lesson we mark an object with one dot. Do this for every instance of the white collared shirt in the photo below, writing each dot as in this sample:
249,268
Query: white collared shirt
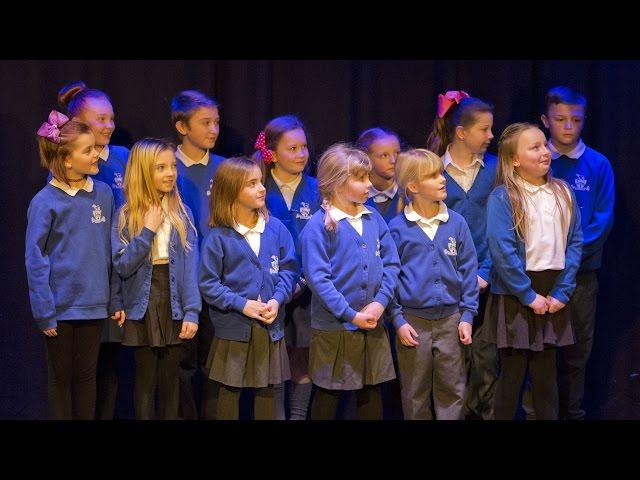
463,176
189,162
546,236
287,189
355,221
252,235
104,153
574,154
69,190
160,246
384,195
428,225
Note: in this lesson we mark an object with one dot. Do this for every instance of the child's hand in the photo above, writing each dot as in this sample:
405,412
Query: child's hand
254,309
482,283
464,331
406,334
375,309
554,304
188,331
119,316
539,305
51,332
365,321
153,217
271,311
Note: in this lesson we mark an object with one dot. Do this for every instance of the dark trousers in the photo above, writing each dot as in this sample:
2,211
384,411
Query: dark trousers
368,403
157,367
572,359
542,369
482,358
264,403
72,357
193,373
107,380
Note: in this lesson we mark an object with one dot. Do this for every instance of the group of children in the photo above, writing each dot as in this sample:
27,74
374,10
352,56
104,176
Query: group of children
458,272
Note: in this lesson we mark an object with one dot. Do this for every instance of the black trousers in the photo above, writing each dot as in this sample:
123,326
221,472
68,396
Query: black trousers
107,380
72,357
157,367
572,359
542,369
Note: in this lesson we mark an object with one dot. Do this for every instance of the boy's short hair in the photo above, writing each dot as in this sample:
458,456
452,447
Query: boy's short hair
562,94
185,104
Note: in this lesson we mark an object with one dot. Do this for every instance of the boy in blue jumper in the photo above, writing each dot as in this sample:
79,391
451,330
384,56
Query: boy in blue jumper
68,264
590,176
197,122
437,294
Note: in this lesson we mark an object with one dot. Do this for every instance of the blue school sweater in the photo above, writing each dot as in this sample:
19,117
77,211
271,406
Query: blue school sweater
346,271
508,253
437,277
133,263
68,255
472,205
390,210
231,273
194,184
591,179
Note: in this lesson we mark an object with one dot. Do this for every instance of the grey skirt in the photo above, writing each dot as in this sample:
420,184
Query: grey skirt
509,324
349,360
257,363
156,328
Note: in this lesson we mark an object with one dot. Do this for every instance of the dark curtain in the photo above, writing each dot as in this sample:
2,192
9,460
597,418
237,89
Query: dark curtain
336,99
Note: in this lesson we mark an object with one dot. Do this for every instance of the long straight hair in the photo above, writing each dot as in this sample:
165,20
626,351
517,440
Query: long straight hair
412,166
141,193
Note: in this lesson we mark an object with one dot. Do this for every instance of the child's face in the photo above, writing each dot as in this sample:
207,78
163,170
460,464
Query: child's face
291,154
98,114
355,189
383,154
165,172
533,159
565,123
431,188
478,136
252,195
202,129
83,159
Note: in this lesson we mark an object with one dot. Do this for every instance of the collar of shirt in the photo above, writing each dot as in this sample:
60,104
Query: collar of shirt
413,216
384,195
338,214
531,188
574,154
104,153
292,185
188,162
87,187
447,160
243,230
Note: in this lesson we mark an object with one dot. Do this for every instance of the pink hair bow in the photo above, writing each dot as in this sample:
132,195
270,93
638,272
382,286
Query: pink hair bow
445,101
267,156
51,128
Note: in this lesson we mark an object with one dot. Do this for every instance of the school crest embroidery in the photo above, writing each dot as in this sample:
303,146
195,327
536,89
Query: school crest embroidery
377,247
97,214
304,212
210,187
275,265
117,180
580,183
451,247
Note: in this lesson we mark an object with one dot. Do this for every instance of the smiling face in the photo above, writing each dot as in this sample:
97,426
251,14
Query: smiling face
252,194
291,154
83,159
98,114
202,129
165,172
532,159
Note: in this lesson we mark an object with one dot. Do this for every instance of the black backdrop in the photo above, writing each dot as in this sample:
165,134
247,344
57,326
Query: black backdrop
336,99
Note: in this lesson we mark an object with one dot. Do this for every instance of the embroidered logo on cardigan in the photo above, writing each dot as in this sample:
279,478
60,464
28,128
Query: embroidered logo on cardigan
580,183
97,214
275,265
304,212
451,247
117,181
